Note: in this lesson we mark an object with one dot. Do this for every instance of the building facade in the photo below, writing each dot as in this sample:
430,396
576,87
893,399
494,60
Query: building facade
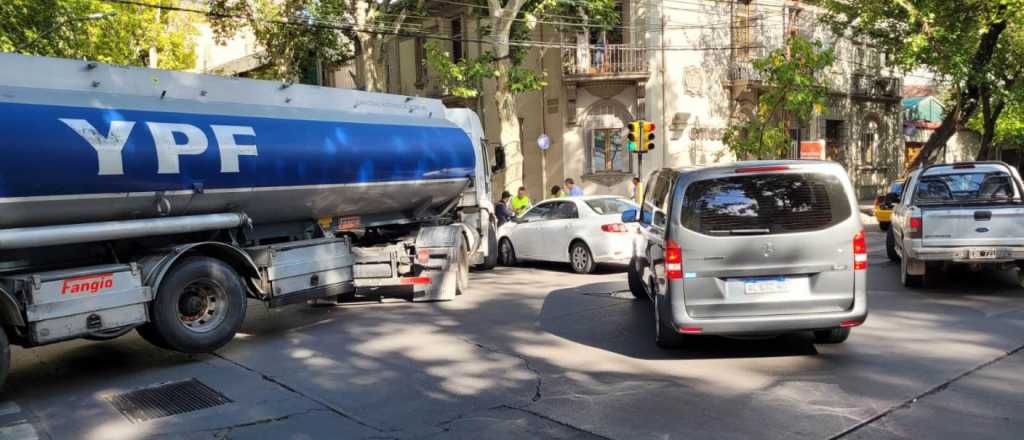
684,65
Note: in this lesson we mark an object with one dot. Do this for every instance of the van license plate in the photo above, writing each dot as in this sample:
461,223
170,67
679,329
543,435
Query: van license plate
982,254
765,285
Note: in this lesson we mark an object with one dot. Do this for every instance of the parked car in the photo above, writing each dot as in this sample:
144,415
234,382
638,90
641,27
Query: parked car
754,248
885,202
969,212
583,231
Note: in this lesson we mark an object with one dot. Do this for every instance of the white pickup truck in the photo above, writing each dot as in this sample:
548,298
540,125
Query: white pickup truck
969,212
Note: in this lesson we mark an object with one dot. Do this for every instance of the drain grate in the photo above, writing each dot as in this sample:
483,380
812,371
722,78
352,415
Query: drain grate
166,400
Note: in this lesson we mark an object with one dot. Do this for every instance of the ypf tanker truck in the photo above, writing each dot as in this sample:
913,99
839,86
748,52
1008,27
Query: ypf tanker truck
161,201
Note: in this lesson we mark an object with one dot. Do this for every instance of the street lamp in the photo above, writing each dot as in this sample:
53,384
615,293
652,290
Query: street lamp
90,17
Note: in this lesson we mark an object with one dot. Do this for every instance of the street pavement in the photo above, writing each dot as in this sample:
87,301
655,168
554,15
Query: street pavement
539,352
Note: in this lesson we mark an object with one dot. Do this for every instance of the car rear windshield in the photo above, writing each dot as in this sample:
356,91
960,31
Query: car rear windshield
980,187
610,206
762,204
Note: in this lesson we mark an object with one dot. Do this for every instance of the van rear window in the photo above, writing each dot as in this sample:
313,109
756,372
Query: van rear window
761,204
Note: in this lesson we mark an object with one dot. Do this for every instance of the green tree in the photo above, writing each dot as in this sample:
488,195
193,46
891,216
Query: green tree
294,34
794,87
131,36
510,23
963,41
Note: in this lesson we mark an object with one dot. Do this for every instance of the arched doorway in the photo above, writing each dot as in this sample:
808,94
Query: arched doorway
604,137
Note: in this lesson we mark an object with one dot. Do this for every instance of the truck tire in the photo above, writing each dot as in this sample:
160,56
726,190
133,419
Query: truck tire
5,357
492,251
199,306
890,246
636,285
835,335
908,279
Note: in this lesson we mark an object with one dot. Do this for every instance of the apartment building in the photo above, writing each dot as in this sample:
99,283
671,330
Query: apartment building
685,65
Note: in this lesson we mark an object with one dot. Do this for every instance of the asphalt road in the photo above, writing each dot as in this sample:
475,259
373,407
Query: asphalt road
538,352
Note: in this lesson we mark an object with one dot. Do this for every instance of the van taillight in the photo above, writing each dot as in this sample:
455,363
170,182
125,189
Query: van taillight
860,251
673,261
915,227
762,169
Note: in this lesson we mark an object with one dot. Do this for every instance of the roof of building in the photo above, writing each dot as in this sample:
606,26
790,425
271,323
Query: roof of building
916,90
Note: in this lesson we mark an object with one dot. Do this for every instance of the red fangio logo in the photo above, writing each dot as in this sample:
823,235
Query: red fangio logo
89,283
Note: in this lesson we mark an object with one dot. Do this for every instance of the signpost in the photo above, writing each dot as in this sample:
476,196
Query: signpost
543,142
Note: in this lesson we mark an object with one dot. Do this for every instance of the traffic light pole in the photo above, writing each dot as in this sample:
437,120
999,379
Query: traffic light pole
639,165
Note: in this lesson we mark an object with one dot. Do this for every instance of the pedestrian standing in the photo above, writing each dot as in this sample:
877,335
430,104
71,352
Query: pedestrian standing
503,211
521,202
636,192
556,192
574,191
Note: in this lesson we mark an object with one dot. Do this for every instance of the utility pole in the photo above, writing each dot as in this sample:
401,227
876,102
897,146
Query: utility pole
792,12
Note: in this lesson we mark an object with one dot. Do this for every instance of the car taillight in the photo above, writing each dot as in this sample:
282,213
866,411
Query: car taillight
673,261
614,227
860,252
915,227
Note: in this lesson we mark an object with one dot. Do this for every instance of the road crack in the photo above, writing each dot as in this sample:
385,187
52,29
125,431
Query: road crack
911,401
225,431
526,363
327,406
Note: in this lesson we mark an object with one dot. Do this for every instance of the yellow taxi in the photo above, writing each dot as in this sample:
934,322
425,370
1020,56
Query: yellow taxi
885,202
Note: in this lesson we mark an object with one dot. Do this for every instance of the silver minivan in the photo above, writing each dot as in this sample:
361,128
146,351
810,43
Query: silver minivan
753,248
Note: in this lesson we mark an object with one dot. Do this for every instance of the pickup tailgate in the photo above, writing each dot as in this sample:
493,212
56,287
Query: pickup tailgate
983,225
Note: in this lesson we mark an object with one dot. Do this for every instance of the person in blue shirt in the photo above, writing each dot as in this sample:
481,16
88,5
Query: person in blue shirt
502,211
574,190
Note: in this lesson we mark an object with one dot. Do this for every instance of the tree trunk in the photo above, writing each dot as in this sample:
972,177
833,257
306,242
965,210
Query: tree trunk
370,69
969,95
991,115
508,122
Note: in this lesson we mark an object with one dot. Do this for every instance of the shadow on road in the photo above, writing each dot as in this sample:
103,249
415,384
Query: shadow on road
631,331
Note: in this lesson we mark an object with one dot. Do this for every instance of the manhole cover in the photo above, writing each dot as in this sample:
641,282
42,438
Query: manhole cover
166,400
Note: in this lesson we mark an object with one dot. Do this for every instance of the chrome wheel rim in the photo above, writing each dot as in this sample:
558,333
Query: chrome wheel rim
580,259
202,305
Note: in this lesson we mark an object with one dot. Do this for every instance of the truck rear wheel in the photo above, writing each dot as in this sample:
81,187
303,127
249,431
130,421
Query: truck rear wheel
890,246
905,276
5,357
198,307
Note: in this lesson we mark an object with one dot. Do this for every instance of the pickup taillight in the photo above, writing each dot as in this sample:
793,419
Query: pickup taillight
915,227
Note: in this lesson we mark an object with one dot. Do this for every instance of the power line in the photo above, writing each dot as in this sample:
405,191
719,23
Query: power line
353,27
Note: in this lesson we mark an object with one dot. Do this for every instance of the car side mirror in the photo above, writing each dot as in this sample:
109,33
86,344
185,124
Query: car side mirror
629,216
499,160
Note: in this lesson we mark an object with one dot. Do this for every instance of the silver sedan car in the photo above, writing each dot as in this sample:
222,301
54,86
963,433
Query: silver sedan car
583,231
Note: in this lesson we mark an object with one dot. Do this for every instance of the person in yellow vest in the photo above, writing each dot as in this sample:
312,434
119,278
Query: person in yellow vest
521,202
636,192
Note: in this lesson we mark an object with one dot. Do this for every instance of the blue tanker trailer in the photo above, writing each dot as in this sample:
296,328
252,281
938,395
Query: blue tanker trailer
160,201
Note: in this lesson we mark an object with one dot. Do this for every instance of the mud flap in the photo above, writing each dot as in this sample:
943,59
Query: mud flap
448,272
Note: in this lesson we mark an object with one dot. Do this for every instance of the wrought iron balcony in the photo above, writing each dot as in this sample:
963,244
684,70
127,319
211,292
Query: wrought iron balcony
613,61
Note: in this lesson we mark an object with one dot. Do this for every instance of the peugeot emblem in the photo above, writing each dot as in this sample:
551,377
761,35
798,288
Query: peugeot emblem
982,230
767,249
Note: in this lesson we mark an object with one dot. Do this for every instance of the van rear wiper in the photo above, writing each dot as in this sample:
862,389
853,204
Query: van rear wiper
759,231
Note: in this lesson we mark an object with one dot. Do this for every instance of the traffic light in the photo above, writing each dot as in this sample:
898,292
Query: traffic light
648,137
634,137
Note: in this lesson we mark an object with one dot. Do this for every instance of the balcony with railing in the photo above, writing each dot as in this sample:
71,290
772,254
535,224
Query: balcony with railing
595,62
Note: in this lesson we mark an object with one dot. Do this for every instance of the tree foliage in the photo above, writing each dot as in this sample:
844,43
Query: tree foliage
295,34
794,87
966,42
57,28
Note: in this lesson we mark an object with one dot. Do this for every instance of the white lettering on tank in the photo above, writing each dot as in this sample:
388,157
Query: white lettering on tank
229,148
108,148
168,149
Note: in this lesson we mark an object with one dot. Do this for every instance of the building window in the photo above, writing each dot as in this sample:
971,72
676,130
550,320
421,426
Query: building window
743,23
869,143
457,40
421,66
608,152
